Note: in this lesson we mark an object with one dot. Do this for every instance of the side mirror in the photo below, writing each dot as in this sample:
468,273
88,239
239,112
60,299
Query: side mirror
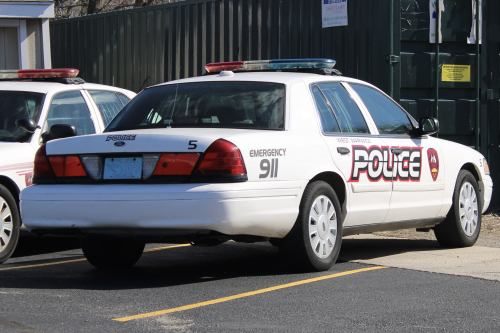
427,126
59,131
27,125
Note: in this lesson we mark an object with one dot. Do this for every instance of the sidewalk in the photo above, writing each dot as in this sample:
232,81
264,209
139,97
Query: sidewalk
422,255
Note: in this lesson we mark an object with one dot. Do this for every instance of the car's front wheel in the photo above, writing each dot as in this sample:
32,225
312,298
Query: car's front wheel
111,252
9,224
463,223
314,242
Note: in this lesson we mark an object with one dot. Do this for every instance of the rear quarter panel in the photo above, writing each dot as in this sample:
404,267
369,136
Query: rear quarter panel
300,150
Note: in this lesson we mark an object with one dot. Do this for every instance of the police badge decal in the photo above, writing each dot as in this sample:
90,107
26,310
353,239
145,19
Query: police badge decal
433,162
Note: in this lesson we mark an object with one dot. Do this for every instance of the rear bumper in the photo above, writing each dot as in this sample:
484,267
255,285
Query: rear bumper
486,187
266,209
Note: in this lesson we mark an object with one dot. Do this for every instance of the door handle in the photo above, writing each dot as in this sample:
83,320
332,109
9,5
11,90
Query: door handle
343,150
396,151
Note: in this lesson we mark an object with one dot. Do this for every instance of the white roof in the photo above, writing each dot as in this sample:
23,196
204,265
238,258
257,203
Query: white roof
277,77
45,86
41,87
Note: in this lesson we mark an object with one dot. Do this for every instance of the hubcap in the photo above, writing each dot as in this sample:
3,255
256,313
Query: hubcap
5,224
468,208
322,227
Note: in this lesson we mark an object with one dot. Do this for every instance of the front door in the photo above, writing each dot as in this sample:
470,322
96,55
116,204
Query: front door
418,179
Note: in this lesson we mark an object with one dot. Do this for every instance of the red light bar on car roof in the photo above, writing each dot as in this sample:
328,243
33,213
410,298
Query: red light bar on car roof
276,64
39,73
225,66
47,73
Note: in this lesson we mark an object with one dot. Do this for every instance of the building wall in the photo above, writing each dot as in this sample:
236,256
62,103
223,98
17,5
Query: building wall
9,53
35,48
24,34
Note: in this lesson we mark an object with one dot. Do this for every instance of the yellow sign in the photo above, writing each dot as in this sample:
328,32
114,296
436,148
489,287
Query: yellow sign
456,73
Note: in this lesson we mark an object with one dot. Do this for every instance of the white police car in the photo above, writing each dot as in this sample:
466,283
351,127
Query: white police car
280,150
31,101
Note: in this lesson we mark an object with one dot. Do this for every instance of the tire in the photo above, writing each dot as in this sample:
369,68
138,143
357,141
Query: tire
10,222
462,225
314,242
111,252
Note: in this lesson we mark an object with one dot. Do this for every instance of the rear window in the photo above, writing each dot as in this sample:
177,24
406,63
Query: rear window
240,104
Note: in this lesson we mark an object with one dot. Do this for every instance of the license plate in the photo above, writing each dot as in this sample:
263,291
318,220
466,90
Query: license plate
123,168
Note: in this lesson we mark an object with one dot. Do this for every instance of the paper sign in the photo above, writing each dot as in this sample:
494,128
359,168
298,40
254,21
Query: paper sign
432,20
472,37
334,13
455,73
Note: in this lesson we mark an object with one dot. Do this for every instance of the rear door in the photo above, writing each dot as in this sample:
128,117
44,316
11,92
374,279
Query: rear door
418,179
72,108
360,155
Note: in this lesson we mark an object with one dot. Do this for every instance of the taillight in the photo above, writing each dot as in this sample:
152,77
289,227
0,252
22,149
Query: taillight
176,164
67,166
42,172
221,162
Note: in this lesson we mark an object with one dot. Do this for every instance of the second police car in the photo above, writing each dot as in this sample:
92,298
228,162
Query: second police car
278,150
31,102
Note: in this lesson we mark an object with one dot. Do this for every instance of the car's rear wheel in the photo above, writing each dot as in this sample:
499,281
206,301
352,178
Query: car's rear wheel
111,252
462,225
9,224
314,242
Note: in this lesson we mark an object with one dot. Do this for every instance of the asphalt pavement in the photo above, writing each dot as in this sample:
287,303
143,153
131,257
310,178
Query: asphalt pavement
49,287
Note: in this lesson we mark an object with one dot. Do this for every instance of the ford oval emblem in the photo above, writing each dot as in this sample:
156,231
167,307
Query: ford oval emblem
119,143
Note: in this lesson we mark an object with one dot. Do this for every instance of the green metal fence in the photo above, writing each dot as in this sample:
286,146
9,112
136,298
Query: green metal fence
385,43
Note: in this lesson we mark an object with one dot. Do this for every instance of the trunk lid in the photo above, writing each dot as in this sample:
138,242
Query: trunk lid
165,140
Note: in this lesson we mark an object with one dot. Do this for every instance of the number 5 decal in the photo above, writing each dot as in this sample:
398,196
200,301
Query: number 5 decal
192,144
269,168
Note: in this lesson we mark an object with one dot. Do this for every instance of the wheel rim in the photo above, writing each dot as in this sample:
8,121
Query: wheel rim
6,225
322,227
468,208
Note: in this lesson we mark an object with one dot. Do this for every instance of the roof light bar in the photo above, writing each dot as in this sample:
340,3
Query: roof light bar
47,73
276,64
224,66
38,73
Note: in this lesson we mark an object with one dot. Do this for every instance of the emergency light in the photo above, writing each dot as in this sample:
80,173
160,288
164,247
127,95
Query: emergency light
38,73
276,64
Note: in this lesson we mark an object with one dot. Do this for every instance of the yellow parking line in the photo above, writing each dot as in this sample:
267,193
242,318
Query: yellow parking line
46,264
166,247
251,293
83,259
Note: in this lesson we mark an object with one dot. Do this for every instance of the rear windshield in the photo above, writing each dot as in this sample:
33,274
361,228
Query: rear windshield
15,105
250,105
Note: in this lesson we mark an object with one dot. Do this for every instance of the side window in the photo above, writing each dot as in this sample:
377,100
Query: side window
108,103
348,114
70,108
124,99
388,116
328,121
